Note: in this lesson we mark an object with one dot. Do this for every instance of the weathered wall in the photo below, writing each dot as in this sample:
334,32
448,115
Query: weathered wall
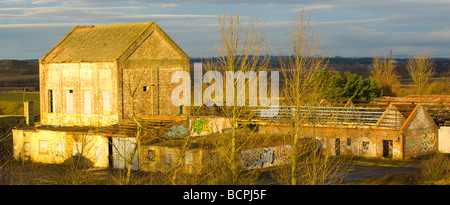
265,157
55,147
152,62
421,134
444,139
79,77
359,137
163,157
208,125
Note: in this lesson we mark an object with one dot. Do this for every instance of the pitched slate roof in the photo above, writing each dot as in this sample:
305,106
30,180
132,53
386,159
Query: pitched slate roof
99,43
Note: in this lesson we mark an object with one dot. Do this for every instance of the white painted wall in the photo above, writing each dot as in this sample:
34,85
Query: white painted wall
444,139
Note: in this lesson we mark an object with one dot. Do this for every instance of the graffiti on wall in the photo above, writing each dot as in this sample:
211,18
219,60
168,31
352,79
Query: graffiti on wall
265,157
177,131
201,125
421,143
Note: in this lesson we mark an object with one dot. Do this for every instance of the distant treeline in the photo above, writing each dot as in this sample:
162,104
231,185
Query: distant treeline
358,66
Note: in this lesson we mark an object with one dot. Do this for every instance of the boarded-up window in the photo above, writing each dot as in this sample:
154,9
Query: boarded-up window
60,148
188,158
87,102
169,157
51,101
106,102
77,148
69,101
43,147
27,149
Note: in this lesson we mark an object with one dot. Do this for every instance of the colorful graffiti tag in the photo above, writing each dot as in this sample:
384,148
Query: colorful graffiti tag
265,157
177,131
422,143
201,125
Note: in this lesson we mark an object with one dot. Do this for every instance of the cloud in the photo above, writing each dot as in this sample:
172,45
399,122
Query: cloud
353,21
313,7
41,25
89,13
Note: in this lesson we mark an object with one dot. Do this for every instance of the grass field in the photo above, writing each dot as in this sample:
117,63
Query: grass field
12,103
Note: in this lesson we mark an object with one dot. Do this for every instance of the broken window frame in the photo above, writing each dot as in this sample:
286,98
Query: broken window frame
151,158
169,157
51,101
365,146
70,101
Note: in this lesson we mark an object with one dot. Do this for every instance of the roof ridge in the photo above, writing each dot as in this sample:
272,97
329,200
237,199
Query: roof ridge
134,40
96,43
117,24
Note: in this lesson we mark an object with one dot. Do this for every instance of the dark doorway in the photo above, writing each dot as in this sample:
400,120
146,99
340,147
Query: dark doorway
337,147
387,148
110,151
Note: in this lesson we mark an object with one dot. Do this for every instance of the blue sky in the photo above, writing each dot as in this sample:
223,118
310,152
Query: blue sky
351,28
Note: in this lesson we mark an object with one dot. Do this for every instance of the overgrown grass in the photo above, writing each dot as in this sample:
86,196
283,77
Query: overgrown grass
435,168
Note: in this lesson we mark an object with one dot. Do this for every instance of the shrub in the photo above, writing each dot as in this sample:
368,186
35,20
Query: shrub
435,167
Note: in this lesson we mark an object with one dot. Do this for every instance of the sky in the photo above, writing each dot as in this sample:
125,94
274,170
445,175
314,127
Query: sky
349,28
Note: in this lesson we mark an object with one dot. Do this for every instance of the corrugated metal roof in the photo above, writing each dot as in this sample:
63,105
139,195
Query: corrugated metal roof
99,43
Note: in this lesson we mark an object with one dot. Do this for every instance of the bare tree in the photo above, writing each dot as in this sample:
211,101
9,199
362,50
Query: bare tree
421,69
76,169
300,73
383,69
304,90
133,80
242,49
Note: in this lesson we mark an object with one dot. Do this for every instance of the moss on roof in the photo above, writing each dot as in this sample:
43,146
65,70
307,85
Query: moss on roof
99,43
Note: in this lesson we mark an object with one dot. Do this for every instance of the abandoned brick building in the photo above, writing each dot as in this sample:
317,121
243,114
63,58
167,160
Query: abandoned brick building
376,131
87,82
438,106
